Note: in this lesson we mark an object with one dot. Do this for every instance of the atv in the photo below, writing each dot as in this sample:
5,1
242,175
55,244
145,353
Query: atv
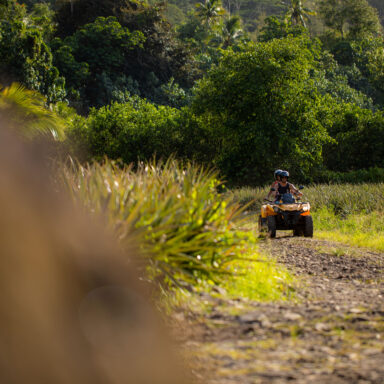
286,214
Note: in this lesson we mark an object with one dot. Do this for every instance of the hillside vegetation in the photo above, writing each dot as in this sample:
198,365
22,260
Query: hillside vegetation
253,12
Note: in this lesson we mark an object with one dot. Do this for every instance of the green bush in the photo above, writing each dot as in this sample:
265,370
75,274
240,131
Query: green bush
359,135
138,130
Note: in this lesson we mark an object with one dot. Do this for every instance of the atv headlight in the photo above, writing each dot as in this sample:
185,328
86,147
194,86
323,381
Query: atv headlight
306,207
276,209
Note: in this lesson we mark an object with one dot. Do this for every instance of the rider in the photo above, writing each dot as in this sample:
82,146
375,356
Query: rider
275,184
284,187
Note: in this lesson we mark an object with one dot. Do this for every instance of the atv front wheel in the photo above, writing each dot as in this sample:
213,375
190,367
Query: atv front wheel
271,220
308,226
262,225
298,231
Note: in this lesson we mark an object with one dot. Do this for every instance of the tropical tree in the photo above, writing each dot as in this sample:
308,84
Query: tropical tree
297,13
231,31
350,18
193,33
210,11
41,18
11,10
379,5
145,68
263,109
27,59
359,143
278,28
95,60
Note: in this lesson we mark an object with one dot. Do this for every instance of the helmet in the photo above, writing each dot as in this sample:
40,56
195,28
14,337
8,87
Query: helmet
284,174
277,173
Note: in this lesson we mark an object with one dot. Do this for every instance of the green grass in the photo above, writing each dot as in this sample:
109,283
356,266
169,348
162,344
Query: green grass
358,229
259,279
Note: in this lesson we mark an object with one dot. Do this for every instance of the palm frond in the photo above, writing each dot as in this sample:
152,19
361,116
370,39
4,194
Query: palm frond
26,112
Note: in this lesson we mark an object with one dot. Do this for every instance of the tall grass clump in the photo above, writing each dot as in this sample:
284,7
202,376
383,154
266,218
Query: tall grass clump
345,199
252,197
186,228
360,176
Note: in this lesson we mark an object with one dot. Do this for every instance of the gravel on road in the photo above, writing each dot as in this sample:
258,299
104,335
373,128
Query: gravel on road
333,332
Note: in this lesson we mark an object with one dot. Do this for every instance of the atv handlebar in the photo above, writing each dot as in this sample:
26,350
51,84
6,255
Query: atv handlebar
277,203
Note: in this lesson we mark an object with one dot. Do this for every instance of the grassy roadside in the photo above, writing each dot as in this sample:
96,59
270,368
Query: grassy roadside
346,213
255,279
259,279
359,229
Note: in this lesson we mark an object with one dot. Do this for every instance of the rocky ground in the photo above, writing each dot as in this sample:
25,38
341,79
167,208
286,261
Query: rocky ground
332,333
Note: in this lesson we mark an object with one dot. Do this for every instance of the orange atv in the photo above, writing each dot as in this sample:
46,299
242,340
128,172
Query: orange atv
286,214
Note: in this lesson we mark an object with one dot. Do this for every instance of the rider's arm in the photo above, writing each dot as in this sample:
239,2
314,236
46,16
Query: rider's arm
274,185
294,190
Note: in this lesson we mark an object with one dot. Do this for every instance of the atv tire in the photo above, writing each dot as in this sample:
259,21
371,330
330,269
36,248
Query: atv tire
262,224
271,221
298,231
308,226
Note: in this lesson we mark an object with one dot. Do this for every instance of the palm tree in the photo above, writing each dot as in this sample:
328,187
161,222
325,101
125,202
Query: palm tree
210,11
231,31
298,13
25,111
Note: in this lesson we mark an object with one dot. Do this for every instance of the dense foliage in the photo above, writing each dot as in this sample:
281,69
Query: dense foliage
244,100
138,130
25,56
350,18
94,60
149,57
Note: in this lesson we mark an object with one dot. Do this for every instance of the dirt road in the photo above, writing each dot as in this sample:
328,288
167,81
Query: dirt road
332,333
